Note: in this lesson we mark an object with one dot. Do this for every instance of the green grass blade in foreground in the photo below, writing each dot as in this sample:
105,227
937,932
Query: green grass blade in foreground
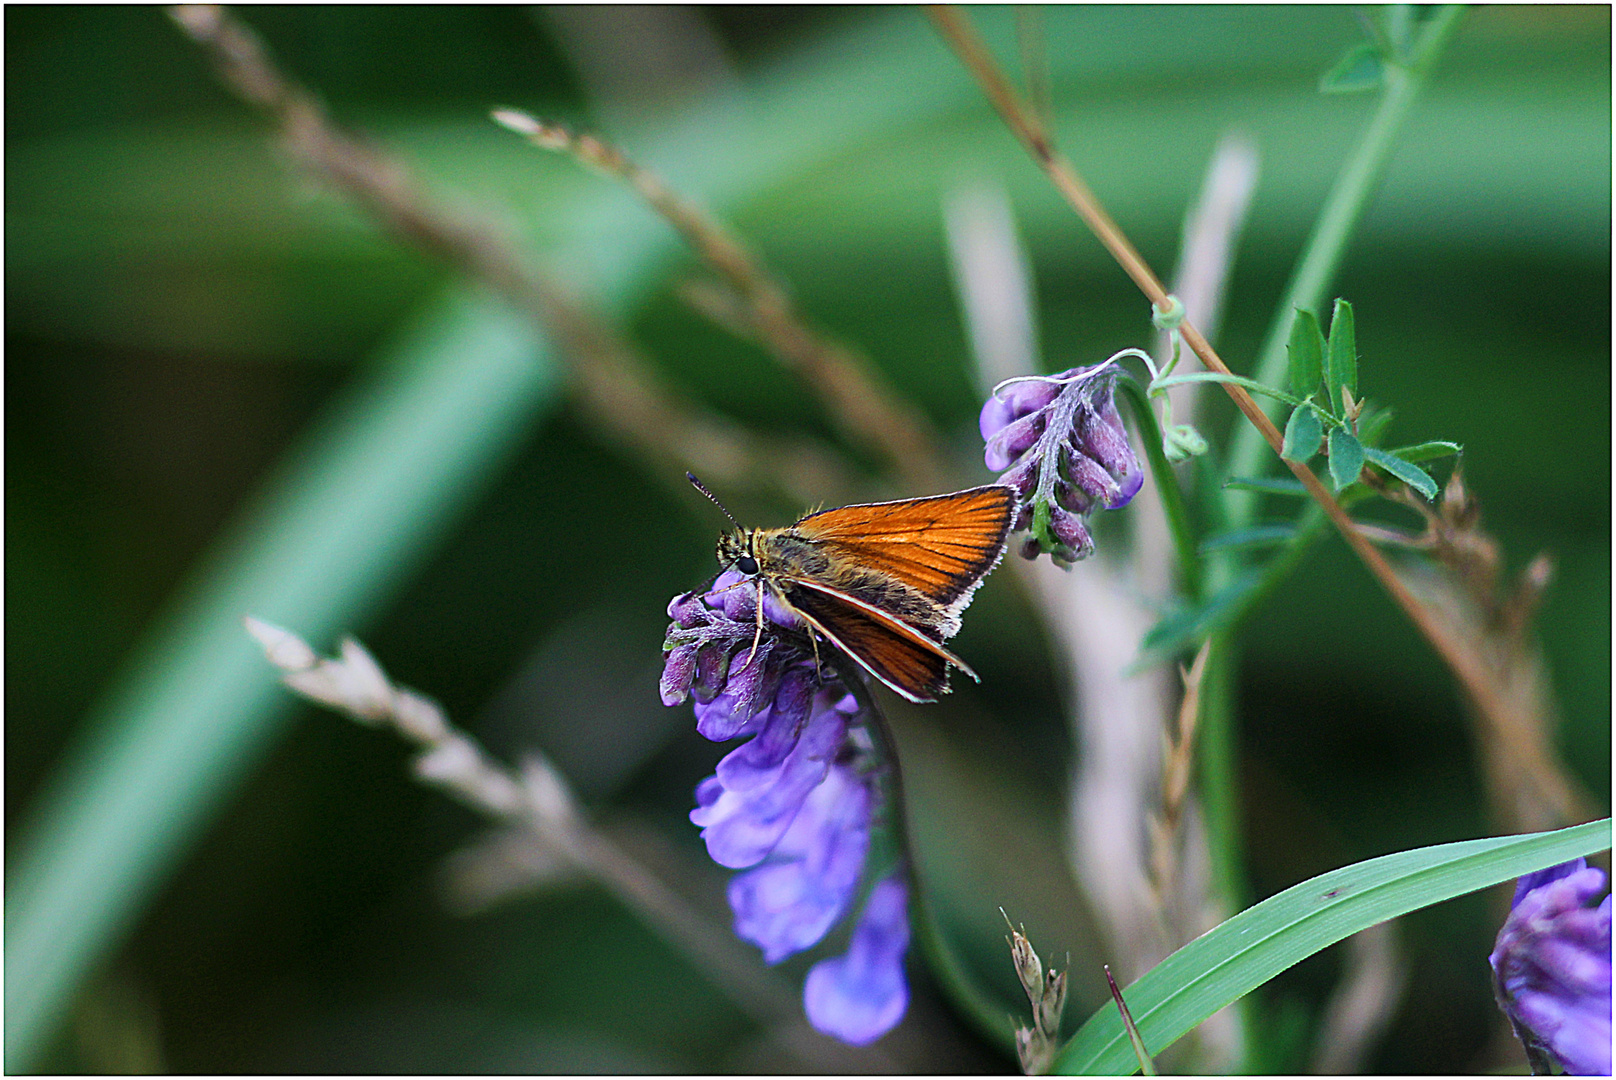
347,519
1240,955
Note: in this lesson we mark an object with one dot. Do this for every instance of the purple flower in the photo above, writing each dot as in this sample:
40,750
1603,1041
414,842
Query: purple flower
859,996
1551,969
1059,442
793,806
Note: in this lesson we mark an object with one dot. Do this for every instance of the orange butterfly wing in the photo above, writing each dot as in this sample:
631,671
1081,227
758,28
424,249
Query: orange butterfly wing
941,545
891,650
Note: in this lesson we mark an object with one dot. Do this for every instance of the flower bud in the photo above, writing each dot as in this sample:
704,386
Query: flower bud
1071,532
1029,969
1552,969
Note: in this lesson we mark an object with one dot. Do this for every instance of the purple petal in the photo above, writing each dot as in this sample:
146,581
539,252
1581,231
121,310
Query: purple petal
775,610
1013,402
862,995
678,669
738,709
725,718
1070,530
739,602
743,825
1024,477
1072,498
995,414
1014,440
791,901
1128,486
1542,877
712,669
687,610
759,761
1090,477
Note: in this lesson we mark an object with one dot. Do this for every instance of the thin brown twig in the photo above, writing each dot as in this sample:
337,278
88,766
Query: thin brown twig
1465,664
859,400
614,384
1178,758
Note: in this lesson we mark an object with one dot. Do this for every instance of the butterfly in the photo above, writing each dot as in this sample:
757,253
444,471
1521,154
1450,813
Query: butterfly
883,582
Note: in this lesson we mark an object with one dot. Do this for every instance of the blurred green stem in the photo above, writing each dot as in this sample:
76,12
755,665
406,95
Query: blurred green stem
1166,484
989,1015
1321,258
1218,781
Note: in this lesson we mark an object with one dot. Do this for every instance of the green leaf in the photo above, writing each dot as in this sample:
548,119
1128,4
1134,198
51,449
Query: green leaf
1372,424
1251,536
1233,959
1346,457
1398,20
1192,622
1360,68
1306,351
1341,367
1412,475
1270,485
1303,434
1427,451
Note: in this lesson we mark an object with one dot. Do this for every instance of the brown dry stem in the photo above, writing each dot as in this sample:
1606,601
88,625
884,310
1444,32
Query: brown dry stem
1178,760
615,385
1530,788
758,307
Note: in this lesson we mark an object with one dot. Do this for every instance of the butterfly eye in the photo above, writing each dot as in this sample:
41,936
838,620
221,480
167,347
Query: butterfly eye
746,565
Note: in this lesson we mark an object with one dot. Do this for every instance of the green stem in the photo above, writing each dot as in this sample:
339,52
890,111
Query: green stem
1342,211
988,1013
1219,780
1238,380
1172,498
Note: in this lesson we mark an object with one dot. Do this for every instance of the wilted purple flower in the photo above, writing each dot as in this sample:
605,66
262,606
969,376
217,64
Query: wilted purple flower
1551,969
1059,442
859,996
792,807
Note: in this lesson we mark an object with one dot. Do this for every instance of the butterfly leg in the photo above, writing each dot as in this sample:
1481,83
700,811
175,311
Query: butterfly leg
819,675
757,639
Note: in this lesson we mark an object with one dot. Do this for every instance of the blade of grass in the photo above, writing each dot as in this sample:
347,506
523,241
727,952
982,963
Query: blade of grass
1246,951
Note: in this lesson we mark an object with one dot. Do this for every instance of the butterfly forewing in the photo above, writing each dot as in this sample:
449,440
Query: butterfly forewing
941,546
892,651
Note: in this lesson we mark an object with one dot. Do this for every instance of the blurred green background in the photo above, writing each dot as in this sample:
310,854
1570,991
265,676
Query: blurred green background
183,308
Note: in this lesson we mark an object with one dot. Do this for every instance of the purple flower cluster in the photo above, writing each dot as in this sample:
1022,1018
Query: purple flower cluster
1551,969
792,807
1059,442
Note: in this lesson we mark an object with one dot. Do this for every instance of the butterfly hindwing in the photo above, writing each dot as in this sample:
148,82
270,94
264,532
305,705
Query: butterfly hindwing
893,651
941,546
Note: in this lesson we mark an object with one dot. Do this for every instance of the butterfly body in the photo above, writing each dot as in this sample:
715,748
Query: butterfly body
883,582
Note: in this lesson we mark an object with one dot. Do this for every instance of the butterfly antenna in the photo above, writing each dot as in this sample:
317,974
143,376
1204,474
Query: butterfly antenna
701,487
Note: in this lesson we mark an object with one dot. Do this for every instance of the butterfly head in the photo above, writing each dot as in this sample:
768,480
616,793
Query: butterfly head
739,550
